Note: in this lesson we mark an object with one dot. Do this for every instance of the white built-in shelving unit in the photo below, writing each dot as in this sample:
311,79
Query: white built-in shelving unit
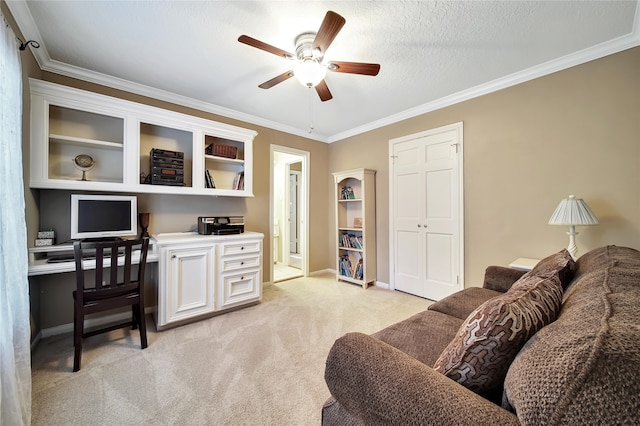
356,226
119,135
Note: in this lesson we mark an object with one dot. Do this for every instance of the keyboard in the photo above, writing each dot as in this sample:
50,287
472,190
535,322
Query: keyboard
71,258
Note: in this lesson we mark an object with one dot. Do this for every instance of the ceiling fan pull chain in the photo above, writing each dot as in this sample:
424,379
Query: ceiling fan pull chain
310,110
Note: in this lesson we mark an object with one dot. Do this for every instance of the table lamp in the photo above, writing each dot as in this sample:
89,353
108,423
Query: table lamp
573,211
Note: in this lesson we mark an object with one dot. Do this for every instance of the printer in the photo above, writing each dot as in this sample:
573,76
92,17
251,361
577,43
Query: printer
220,225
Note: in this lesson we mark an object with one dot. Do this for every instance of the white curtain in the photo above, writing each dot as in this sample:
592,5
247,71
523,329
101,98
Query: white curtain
15,333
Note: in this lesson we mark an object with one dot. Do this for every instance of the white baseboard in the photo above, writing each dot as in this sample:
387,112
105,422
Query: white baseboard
382,285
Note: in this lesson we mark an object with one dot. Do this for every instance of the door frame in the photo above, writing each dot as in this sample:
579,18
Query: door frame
458,127
305,158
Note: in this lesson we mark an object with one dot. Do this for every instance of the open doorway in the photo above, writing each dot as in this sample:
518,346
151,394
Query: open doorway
289,211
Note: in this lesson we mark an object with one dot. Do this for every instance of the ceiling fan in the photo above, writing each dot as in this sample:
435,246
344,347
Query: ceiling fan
310,50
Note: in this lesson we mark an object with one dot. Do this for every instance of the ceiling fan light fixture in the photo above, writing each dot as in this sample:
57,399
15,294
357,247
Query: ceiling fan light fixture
309,72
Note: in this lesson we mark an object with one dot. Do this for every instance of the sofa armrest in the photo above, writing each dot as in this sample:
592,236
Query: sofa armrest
379,384
500,278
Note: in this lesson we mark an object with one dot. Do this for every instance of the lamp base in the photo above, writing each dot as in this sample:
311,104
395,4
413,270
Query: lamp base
572,248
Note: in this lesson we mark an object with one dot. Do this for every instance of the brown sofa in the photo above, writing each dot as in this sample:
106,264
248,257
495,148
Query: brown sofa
582,368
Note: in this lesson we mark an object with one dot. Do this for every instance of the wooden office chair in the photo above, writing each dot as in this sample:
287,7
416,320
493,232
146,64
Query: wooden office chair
107,293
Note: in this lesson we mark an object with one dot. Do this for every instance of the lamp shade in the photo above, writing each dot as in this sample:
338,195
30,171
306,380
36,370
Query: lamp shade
573,211
309,72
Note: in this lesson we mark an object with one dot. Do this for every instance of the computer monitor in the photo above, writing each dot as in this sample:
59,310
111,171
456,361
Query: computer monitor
103,216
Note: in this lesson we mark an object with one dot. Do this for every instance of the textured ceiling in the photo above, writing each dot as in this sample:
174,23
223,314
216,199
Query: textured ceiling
432,53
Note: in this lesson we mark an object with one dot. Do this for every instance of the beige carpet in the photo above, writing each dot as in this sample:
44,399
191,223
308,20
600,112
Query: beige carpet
262,365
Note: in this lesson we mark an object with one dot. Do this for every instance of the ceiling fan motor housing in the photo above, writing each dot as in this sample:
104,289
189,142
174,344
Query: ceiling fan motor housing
304,47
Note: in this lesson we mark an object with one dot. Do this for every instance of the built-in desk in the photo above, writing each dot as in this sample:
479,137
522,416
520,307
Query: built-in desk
197,276
38,256
52,284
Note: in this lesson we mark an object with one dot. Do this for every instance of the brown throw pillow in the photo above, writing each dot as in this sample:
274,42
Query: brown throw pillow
560,264
493,334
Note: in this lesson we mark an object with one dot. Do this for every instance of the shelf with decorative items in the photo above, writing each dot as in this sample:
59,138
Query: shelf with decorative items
76,138
86,141
225,164
355,223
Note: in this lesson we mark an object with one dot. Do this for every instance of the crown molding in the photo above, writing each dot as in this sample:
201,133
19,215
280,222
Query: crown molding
164,95
550,67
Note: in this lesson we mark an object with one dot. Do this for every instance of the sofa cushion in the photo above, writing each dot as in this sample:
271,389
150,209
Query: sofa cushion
585,367
423,335
461,303
501,278
491,336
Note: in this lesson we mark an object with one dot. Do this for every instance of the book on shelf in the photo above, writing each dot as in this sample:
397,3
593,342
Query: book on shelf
344,266
209,183
359,272
346,193
238,182
351,241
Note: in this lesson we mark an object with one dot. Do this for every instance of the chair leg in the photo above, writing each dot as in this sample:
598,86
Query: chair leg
78,331
134,317
142,325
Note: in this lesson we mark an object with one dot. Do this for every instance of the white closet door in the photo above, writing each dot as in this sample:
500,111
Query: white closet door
426,212
407,212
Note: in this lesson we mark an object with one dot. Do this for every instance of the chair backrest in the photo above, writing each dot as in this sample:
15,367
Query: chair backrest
104,252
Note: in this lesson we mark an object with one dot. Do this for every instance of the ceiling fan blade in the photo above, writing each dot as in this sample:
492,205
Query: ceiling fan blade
329,29
279,79
323,91
264,46
354,67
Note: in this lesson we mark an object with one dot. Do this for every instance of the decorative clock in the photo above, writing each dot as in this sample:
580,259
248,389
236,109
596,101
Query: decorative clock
85,163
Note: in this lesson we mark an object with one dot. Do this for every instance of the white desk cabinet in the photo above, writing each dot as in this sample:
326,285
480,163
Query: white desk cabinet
239,272
189,282
200,275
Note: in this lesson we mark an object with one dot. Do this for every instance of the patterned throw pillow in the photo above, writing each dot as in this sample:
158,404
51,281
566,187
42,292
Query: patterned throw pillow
559,264
493,334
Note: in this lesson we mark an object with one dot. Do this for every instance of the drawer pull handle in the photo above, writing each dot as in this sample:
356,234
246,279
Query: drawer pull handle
242,278
242,248
241,263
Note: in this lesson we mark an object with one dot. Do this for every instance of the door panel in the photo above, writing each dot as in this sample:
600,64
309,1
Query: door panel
408,214
439,206
440,274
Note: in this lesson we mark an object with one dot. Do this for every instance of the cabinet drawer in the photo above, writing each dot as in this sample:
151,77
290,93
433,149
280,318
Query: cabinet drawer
239,289
240,263
241,247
